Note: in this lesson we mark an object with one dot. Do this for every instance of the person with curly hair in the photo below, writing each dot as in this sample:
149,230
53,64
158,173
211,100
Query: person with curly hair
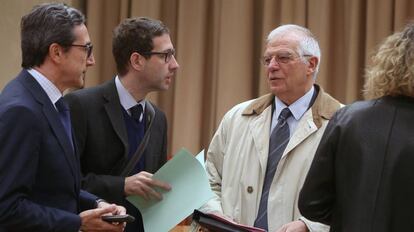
361,178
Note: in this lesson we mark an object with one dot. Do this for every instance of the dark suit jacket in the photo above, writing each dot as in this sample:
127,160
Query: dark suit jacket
40,175
361,179
102,139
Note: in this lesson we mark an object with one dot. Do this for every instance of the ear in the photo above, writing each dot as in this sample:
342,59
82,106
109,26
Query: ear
137,61
56,52
312,64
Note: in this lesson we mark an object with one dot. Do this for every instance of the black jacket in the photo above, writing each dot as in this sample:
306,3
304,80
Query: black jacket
362,177
102,139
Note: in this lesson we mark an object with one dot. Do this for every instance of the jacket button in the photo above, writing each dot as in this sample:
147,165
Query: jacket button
250,189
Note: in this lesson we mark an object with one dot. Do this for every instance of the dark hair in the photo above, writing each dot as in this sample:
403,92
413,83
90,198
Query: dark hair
134,35
46,24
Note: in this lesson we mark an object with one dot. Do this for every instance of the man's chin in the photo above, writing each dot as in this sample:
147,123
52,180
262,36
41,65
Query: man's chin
79,85
276,89
165,87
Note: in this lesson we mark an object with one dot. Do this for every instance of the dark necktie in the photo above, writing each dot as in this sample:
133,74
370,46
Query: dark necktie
278,142
64,116
136,112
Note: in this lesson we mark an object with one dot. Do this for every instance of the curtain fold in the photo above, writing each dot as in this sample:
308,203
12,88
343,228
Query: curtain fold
219,44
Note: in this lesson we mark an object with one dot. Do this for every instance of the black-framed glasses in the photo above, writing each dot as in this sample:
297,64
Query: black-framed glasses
88,48
168,54
281,58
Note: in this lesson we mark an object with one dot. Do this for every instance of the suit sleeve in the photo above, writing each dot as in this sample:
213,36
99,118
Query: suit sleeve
20,137
87,200
317,196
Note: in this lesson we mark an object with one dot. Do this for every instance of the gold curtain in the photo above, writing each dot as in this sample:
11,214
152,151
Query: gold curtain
219,44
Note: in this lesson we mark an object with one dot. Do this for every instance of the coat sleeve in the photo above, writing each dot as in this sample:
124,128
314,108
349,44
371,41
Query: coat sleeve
20,137
315,226
214,166
317,196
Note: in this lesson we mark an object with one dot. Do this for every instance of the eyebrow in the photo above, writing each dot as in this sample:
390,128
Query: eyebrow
279,52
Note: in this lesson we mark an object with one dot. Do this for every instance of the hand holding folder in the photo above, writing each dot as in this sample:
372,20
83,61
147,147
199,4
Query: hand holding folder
215,223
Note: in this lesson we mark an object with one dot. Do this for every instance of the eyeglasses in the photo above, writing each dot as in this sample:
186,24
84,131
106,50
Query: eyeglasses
168,54
88,48
281,58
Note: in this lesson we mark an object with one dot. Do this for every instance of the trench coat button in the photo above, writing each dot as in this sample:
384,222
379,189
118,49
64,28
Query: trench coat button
250,189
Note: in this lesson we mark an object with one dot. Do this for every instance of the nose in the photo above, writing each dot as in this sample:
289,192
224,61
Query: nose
90,61
273,65
174,64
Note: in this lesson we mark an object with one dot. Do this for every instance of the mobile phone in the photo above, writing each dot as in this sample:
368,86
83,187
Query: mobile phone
118,218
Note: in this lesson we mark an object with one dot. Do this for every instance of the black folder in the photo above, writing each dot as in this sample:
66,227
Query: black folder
215,223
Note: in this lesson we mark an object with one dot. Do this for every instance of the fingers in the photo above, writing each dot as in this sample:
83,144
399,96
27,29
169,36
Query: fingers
152,185
105,210
91,220
144,185
160,184
120,210
144,190
153,194
154,182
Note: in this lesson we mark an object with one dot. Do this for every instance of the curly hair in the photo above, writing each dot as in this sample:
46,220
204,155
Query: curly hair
392,69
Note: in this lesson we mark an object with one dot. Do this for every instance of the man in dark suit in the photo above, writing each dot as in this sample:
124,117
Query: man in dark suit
122,137
39,167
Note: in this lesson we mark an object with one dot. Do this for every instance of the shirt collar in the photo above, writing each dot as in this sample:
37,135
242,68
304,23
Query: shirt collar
298,108
51,90
126,99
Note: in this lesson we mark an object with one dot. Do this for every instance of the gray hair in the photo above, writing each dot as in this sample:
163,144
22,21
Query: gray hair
308,45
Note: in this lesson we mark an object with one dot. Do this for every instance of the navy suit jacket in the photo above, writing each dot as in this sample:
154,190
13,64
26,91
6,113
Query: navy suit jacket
39,172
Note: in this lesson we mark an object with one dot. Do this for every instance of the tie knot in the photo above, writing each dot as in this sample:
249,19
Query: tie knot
285,114
61,105
136,111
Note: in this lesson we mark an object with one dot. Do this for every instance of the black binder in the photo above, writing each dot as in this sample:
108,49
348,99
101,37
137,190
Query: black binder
215,223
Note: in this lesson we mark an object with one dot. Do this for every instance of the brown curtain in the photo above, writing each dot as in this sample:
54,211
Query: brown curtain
220,42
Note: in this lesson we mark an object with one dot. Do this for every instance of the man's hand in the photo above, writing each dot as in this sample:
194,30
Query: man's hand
91,219
119,210
295,226
143,185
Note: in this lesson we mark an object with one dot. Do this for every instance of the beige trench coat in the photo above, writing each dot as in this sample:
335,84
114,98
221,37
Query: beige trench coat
237,158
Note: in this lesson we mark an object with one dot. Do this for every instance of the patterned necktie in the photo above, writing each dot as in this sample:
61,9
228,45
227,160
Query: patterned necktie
64,116
136,112
278,142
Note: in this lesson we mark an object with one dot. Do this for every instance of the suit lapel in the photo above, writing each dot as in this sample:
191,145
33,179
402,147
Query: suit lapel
150,114
57,127
304,129
260,131
114,111
52,117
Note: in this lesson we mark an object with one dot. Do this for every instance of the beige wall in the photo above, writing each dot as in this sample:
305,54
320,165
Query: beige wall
11,12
